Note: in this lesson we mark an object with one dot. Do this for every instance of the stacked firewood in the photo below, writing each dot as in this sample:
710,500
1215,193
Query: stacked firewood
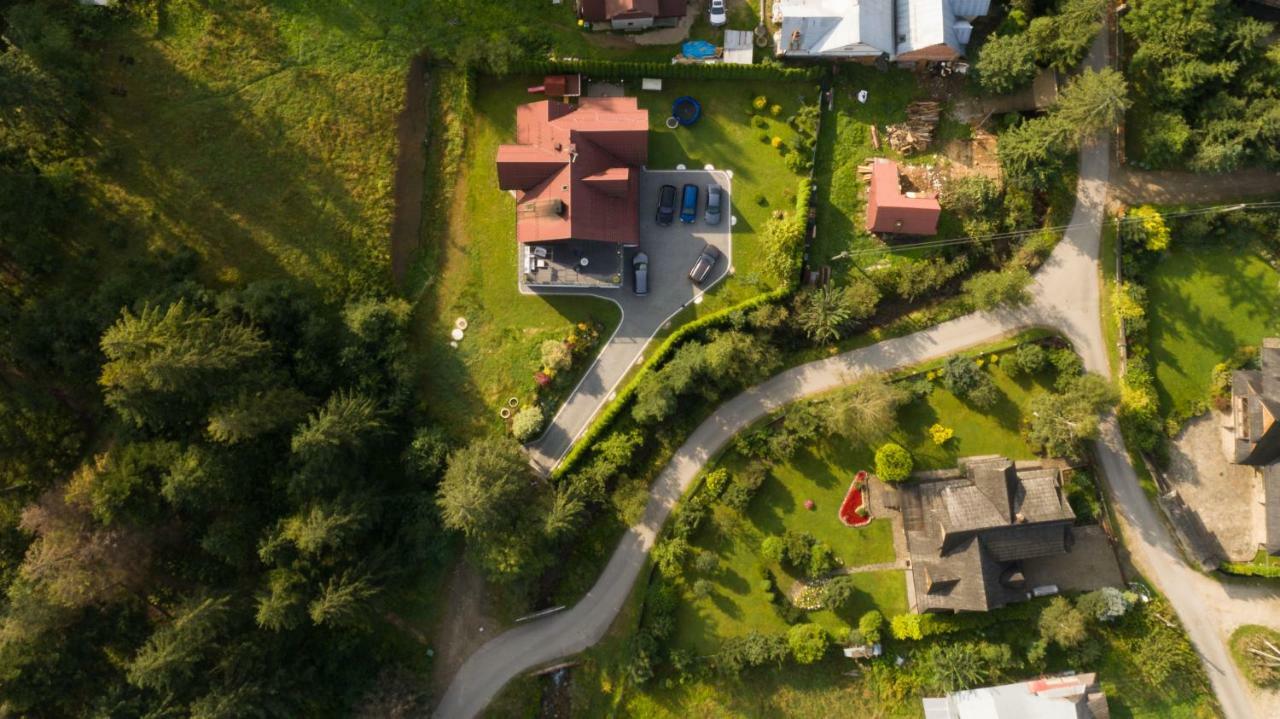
916,133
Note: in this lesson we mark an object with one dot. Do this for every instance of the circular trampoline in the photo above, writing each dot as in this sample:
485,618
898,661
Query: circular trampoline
686,110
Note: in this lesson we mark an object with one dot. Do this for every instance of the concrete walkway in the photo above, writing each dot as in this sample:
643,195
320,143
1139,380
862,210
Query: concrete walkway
1066,299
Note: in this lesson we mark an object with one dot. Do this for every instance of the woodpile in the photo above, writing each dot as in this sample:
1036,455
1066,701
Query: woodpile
916,133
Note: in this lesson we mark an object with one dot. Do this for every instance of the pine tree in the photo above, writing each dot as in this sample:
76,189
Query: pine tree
343,601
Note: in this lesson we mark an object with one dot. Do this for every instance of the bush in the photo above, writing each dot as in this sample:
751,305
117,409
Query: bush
766,138
761,200
837,592
715,482
701,589
706,562
989,290
1029,358
870,625
759,102
808,642
556,356
907,626
776,142
941,435
1104,605
1145,226
775,110
1062,624
821,560
743,486
773,549
893,462
527,423
760,122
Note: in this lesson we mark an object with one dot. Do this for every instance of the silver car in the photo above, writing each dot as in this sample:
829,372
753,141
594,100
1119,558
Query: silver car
706,262
715,200
640,265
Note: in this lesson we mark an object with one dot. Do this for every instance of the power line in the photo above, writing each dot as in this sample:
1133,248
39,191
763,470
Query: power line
954,241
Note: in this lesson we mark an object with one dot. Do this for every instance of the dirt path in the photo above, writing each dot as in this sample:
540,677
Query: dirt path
466,623
1166,187
411,158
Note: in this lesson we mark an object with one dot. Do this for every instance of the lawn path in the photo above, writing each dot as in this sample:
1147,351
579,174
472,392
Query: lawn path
1066,293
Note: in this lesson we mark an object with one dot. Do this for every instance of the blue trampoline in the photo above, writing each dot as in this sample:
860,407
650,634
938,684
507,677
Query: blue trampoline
686,110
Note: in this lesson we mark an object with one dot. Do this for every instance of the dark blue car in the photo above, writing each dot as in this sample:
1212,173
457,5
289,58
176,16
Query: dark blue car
689,204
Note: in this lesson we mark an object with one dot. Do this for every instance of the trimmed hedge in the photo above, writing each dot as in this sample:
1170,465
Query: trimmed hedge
704,71
606,417
1250,569
664,351
912,627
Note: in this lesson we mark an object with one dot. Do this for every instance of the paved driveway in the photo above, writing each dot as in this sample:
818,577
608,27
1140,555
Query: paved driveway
672,251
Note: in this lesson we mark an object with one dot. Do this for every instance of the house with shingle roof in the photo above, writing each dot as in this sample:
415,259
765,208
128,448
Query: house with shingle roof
970,531
1255,440
632,14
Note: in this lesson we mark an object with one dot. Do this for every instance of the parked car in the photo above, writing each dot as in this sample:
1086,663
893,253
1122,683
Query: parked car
717,12
640,265
715,196
705,263
666,204
689,204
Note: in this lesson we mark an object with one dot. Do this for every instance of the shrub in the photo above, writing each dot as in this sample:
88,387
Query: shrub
527,423
907,626
821,560
761,200
556,357
775,110
837,592
893,462
701,589
797,547
989,290
715,482
706,562
1062,624
1145,226
941,435
766,138
870,624
743,486
776,142
1104,605
759,102
760,122
773,549
808,642
669,557
1029,358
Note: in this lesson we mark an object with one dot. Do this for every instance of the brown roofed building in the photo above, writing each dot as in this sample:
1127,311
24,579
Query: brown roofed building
1255,407
891,211
969,533
575,170
632,14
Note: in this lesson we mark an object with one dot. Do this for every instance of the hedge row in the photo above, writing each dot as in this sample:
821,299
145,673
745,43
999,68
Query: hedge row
614,69
912,627
1250,569
602,422
665,350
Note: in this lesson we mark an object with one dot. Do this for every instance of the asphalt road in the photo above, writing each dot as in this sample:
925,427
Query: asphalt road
1066,298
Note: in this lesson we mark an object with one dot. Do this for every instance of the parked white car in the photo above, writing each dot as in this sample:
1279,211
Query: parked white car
718,16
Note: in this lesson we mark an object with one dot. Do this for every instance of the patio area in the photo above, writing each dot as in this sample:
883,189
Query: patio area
571,264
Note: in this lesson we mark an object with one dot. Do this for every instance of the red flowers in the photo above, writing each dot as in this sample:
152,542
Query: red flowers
854,510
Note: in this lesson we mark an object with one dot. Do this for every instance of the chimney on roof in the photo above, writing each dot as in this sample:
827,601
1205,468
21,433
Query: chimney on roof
1019,518
795,40
573,153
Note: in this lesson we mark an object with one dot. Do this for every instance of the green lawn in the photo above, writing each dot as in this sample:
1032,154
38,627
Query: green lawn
1204,302
472,257
728,138
822,473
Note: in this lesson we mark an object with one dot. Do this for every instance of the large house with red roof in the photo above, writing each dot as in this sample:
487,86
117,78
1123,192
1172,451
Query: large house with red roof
891,211
575,174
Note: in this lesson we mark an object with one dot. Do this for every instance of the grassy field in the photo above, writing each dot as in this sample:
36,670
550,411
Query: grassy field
1204,302
1253,636
472,257
822,473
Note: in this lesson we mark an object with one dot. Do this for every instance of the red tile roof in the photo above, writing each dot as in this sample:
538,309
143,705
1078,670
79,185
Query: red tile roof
575,170
889,210
604,10
562,85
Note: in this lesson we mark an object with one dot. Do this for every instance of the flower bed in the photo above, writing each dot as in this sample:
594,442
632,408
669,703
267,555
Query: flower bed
854,510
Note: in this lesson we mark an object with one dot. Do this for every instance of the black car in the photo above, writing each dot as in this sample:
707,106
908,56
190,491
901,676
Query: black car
666,204
640,264
706,262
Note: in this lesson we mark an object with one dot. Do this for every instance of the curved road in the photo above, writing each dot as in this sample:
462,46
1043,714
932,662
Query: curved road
1066,292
